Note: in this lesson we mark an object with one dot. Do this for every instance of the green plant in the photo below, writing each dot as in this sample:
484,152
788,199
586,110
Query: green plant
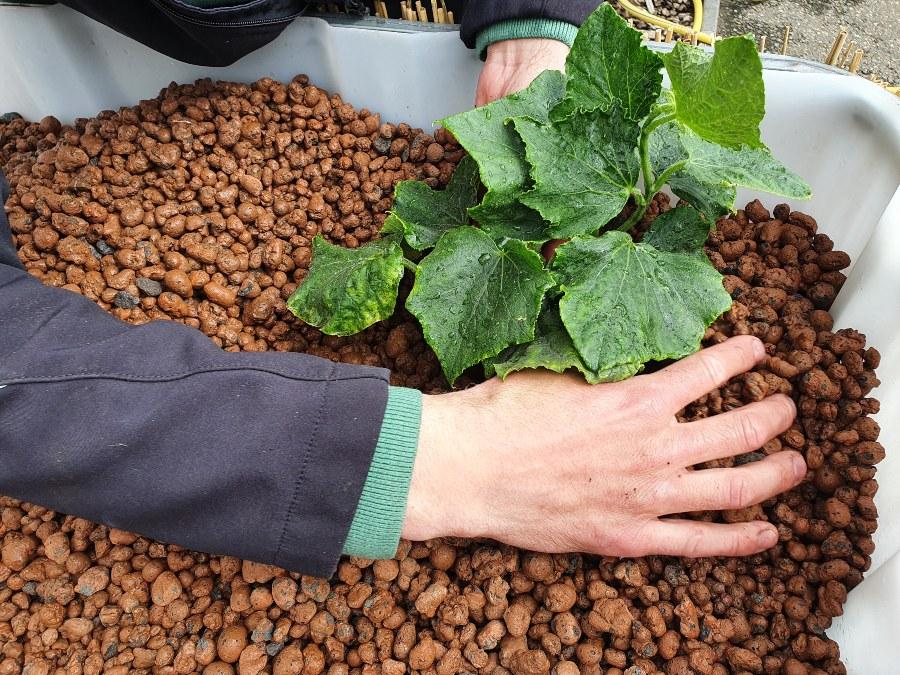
560,160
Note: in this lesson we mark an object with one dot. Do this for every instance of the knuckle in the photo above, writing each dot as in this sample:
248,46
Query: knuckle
662,494
636,543
732,545
750,435
739,493
713,371
643,396
602,540
694,543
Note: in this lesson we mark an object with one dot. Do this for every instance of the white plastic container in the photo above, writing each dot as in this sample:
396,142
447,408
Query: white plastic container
841,133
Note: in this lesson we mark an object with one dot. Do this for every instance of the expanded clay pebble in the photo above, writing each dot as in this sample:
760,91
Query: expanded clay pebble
202,204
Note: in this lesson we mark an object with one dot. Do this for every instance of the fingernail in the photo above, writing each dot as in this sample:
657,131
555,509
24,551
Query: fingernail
767,537
799,466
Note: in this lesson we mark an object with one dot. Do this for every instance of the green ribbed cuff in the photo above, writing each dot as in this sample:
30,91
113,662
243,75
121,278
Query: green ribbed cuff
516,29
375,530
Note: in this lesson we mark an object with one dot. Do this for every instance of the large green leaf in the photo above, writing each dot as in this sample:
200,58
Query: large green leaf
551,348
349,289
475,298
485,134
608,64
426,214
711,172
625,304
721,95
584,169
680,230
503,218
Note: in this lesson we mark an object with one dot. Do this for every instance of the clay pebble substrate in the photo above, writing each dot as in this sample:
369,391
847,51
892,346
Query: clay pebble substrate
199,206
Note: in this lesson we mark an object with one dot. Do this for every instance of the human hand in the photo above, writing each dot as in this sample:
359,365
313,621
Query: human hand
549,463
511,65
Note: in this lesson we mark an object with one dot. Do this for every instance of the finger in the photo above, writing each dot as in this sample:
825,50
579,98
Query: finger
696,539
732,433
700,373
738,488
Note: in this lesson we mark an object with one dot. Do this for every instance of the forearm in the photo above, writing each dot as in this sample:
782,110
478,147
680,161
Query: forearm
154,429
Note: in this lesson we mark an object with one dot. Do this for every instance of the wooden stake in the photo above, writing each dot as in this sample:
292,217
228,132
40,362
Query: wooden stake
785,41
857,61
450,18
836,47
657,35
669,35
694,39
435,12
421,11
846,54
762,44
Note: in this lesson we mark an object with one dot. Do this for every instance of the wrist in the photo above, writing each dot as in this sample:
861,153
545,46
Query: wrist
524,51
549,30
445,495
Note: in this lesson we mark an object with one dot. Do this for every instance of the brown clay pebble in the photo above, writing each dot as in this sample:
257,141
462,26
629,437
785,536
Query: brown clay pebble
166,588
199,206
289,661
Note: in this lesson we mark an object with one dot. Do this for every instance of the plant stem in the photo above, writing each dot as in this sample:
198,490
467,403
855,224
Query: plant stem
633,218
666,175
410,265
651,185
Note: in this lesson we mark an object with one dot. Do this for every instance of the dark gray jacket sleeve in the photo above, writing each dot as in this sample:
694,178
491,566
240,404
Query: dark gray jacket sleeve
479,15
155,430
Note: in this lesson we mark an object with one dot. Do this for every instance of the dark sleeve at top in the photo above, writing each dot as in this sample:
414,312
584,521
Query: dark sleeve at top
155,430
480,15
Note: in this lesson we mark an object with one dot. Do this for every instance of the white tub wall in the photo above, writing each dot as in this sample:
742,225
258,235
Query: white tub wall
58,62
856,126
840,133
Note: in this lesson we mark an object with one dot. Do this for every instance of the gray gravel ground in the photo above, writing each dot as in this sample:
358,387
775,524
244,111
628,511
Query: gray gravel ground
873,24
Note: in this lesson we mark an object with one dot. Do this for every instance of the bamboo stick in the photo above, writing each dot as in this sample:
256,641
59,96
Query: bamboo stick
857,61
762,44
836,47
785,41
846,54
